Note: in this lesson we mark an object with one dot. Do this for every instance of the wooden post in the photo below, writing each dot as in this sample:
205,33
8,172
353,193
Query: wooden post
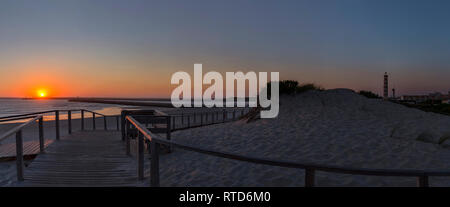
140,154
182,119
104,123
224,116
122,123
309,177
57,124
117,123
173,122
127,137
154,165
41,135
19,155
82,119
93,121
189,121
422,181
201,119
69,119
168,135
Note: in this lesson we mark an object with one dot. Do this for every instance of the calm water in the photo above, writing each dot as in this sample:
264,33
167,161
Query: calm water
19,106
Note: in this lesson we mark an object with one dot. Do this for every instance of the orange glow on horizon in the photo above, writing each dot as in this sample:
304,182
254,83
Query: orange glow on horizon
42,93
60,77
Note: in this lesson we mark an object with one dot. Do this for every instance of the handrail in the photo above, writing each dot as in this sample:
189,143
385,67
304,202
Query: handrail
309,168
40,117
28,114
212,111
19,142
17,118
214,116
94,112
18,128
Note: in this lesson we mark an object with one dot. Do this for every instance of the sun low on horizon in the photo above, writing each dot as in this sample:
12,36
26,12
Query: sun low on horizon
41,93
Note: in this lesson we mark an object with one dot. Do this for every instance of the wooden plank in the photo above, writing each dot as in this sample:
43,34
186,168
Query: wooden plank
8,151
84,159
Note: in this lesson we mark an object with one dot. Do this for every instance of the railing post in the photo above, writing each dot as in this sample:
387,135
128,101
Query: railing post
127,137
217,115
41,134
19,155
234,114
93,120
189,121
224,116
168,135
57,124
104,123
422,181
309,177
117,123
195,118
173,122
69,119
122,123
140,154
182,119
154,165
201,119
212,116
82,119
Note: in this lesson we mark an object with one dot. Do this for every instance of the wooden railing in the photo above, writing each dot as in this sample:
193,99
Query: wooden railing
19,141
199,119
39,116
156,141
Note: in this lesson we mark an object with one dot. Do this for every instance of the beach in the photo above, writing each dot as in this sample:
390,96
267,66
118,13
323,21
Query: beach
333,127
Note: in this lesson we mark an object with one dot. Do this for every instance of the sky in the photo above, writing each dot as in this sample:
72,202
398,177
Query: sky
131,48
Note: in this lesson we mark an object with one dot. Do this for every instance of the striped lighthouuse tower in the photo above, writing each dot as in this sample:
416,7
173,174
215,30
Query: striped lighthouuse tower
386,86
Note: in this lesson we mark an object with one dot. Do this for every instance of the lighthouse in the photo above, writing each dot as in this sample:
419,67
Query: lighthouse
386,87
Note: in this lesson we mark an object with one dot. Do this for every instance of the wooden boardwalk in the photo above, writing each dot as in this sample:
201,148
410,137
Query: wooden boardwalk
30,150
84,159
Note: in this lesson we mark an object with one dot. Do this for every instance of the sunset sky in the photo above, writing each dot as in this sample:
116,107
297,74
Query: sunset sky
131,48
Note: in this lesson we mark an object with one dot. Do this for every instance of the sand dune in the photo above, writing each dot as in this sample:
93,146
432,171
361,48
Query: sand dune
337,127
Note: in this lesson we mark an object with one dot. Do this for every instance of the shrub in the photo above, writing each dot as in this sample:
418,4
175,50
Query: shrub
292,87
369,94
308,87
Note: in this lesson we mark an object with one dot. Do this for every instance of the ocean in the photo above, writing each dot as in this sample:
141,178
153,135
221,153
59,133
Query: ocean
9,107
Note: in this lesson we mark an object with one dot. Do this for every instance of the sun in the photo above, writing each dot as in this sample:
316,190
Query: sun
42,93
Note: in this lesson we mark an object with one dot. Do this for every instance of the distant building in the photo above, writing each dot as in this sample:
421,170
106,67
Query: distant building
432,97
416,99
386,87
